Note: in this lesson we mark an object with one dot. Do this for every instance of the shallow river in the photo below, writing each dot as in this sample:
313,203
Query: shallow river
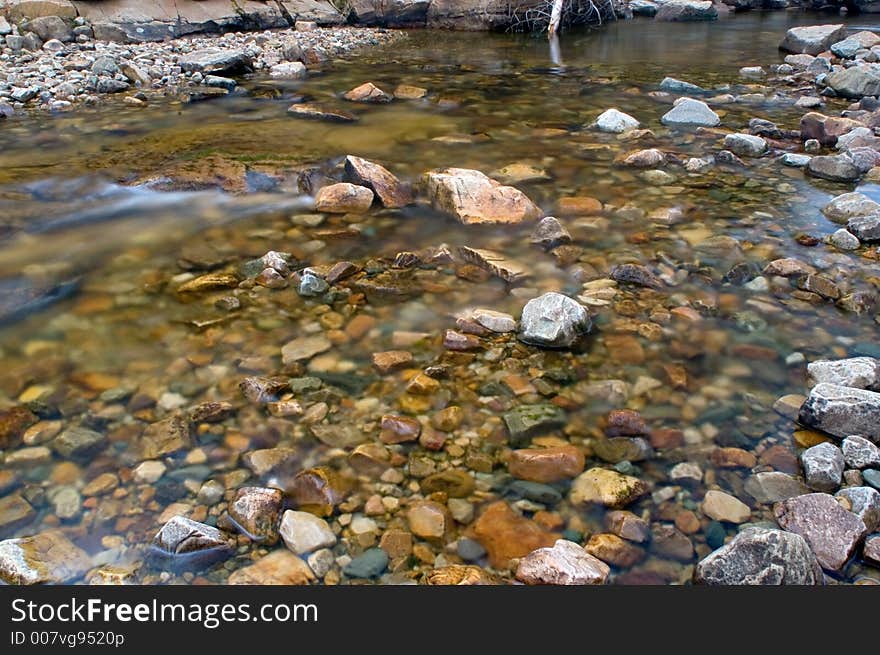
105,212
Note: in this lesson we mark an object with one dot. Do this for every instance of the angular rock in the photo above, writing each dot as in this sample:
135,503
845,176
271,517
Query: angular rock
494,321
45,558
303,348
855,82
825,129
866,228
823,466
369,564
496,263
550,233
255,511
864,503
368,92
428,520
672,85
858,372
280,567
842,411
527,421
553,320
761,556
216,60
859,453
314,112
769,487
343,198
474,198
745,145
187,543
835,168
606,487
288,70
687,10
636,274
724,507
166,437
831,531
565,563
15,512
615,551
627,526
78,443
546,464
812,39
648,158
391,191
303,532
689,112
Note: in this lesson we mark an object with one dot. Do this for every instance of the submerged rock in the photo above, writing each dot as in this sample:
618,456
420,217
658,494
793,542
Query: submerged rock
689,112
761,556
553,321
255,511
565,563
527,421
46,558
745,145
343,198
303,532
550,233
390,190
474,198
606,487
368,92
507,535
724,507
831,531
185,543
280,567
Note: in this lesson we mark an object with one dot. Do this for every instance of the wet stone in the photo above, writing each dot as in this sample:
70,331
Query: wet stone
13,423
608,488
627,526
689,112
78,443
534,491
46,558
565,563
724,507
454,483
831,531
772,486
261,390
368,92
15,512
761,556
267,460
318,490
546,465
859,453
167,437
625,422
619,449
303,532
473,198
615,551
187,543
842,411
392,360
527,421
66,502
553,321
280,567
303,348
686,473
369,564
865,228
428,520
506,535
344,198
636,274
823,467
390,190
255,512
670,542
314,112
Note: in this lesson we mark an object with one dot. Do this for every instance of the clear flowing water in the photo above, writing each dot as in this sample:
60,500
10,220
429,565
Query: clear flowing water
105,212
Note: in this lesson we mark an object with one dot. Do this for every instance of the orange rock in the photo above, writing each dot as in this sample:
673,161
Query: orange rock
625,348
687,522
666,438
398,429
613,550
506,535
578,206
358,327
391,360
546,464
733,458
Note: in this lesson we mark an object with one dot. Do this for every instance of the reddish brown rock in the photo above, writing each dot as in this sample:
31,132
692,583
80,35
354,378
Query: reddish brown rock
627,525
391,360
399,429
733,458
507,535
825,129
344,198
613,550
780,458
546,464
428,520
280,567
625,423
13,423
390,190
666,438
318,490
368,92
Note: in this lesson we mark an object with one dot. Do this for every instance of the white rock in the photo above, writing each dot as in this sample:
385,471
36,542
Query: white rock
689,112
565,563
844,240
724,507
303,532
612,120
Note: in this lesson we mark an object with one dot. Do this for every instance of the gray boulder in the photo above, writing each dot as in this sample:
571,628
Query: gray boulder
51,27
812,39
855,82
553,321
865,228
745,145
216,60
772,486
688,112
858,372
842,411
859,453
823,466
761,556
686,10
835,168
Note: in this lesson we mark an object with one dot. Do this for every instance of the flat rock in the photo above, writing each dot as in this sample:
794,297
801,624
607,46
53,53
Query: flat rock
216,60
78,443
769,487
303,532
280,567
831,531
527,421
607,487
761,556
314,112
15,512
303,348
45,558
724,507
553,320
858,372
507,535
835,168
855,82
842,411
474,198
565,563
546,465
823,466
496,263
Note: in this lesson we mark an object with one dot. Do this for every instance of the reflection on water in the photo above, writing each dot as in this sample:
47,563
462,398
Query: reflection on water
106,212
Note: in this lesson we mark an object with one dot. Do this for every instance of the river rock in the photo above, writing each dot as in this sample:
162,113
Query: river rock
527,421
831,531
825,129
689,112
428,520
369,564
182,541
553,321
615,121
368,92
680,87
859,453
550,233
636,274
858,372
761,556
474,198
165,437
866,228
812,39
13,423
844,240
288,70
835,168
620,449
546,465
769,487
314,112
615,551
724,507
745,145
390,190
871,550
280,567
565,563
216,60
842,411
303,532
343,198
494,321
507,535
687,10
78,443
303,348
864,503
627,526
15,512
255,511
849,205
45,558
51,27
823,466
606,487
855,82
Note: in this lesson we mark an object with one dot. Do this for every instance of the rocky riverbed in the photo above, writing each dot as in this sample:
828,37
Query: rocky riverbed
400,324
